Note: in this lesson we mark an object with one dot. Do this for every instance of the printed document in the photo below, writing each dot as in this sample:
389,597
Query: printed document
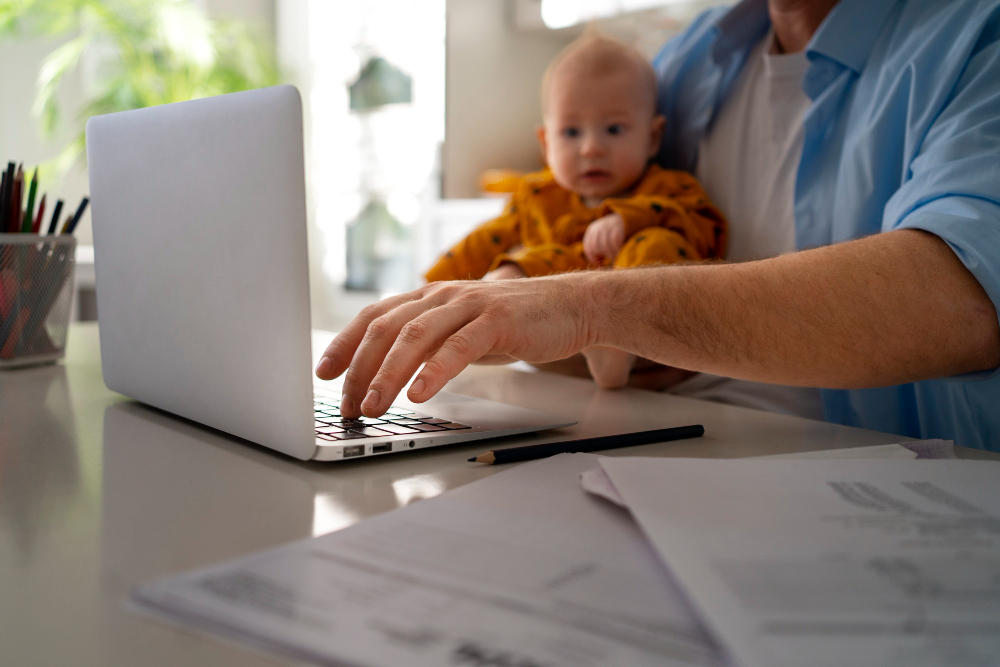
831,563
596,481
521,569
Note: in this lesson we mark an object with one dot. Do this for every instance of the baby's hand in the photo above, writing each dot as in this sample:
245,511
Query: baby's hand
604,238
505,272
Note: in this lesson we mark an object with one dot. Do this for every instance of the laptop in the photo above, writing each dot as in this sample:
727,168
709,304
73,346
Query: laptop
199,220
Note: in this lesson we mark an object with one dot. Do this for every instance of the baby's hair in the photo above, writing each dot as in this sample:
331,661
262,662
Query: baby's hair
599,56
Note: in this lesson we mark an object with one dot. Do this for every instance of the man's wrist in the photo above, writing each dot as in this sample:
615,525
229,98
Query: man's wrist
629,305
596,290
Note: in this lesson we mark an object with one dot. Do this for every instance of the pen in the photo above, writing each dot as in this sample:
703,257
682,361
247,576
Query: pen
75,220
55,217
29,210
528,452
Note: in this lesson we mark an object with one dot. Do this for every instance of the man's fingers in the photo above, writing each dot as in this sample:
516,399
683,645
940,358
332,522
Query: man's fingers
379,337
417,339
494,360
471,342
340,351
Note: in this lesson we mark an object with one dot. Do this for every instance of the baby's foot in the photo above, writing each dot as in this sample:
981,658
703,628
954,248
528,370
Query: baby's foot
608,366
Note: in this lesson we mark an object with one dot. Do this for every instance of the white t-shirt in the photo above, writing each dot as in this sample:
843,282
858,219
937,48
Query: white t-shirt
747,164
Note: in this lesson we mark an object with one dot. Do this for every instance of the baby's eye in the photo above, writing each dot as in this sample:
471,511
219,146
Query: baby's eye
571,132
617,128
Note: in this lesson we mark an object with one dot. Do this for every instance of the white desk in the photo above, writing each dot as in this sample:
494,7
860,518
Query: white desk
98,493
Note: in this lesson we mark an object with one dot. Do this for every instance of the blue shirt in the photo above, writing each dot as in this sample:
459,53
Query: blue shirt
903,132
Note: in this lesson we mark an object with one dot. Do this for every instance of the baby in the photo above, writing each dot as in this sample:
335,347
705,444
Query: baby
601,202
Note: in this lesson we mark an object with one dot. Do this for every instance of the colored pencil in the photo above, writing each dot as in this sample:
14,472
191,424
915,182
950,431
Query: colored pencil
29,209
55,218
529,452
14,222
37,224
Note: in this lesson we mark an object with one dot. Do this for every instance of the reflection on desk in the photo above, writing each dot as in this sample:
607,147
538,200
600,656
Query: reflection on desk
39,469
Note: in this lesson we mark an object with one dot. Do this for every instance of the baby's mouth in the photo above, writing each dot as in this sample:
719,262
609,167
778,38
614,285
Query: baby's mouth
595,175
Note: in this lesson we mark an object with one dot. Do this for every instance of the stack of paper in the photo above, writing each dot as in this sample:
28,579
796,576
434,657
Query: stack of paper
747,562
830,563
522,569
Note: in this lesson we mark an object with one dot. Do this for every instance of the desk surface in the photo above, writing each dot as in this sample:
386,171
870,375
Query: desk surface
98,493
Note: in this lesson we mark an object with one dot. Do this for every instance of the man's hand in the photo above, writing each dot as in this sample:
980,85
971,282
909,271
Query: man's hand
449,325
604,238
884,310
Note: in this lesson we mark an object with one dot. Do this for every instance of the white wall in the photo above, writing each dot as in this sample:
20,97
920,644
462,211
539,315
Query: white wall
493,102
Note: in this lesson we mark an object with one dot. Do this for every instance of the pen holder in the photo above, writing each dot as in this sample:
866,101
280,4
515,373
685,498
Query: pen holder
36,292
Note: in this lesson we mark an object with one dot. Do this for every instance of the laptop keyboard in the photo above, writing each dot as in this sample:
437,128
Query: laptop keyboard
396,421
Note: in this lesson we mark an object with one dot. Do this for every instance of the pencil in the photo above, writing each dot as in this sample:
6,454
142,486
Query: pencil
29,210
8,194
3,198
75,220
55,217
14,222
37,224
529,452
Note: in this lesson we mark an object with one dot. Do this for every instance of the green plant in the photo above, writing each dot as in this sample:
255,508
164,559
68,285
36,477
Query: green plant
145,52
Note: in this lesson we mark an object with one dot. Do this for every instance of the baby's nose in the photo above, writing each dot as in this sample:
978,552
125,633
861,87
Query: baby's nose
592,145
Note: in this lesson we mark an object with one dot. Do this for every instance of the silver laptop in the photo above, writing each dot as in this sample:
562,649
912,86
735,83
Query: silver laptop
199,216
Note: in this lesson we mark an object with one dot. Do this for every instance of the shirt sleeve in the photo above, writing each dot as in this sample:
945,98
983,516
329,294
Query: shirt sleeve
473,256
954,187
687,211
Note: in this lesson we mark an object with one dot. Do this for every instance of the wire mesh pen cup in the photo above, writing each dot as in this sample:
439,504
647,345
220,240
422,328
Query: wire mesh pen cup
36,293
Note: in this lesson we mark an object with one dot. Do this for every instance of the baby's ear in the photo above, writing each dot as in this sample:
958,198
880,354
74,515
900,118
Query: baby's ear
542,142
656,134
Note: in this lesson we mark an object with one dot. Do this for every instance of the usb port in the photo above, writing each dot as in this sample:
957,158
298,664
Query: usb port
354,450
378,449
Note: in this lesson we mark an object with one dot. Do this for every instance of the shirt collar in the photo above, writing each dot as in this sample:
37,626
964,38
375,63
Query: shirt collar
848,33
740,28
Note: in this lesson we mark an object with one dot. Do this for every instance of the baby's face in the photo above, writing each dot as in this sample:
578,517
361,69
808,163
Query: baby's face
599,133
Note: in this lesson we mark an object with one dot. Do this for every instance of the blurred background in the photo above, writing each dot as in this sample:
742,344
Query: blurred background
417,112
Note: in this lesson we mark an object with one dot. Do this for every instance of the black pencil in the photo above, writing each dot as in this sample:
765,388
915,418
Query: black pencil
8,193
528,452
55,217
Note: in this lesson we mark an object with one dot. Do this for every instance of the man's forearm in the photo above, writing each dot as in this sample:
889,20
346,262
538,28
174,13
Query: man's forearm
892,308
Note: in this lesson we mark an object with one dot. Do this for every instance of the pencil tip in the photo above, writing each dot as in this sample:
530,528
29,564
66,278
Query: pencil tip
472,460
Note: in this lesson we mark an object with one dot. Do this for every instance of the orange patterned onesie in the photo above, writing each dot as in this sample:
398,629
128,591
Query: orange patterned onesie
668,218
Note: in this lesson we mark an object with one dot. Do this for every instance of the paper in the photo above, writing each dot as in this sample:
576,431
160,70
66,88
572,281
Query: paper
830,563
918,449
873,452
596,482
932,449
520,569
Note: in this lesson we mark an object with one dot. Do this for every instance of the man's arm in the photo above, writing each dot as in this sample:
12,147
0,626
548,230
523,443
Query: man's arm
888,309
892,308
